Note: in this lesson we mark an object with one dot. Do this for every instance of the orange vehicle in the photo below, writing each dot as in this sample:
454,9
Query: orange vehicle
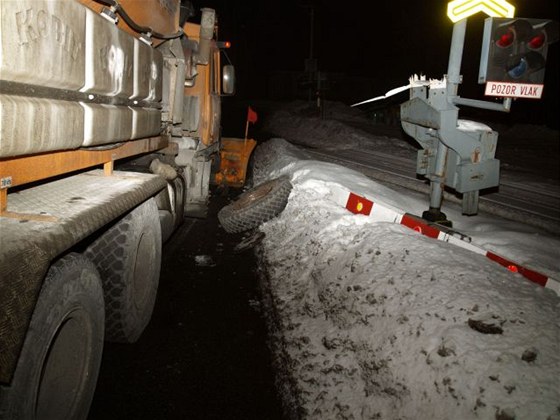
110,125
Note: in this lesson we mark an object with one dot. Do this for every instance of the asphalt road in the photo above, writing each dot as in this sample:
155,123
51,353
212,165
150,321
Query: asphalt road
204,353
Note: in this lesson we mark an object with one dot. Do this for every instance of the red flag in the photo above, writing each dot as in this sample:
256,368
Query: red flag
251,115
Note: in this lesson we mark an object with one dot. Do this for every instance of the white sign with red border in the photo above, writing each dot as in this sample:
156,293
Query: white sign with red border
514,90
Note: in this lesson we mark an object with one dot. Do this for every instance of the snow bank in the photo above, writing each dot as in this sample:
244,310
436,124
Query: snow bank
340,129
372,320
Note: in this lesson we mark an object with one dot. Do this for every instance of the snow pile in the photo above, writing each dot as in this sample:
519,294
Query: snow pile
340,129
373,320
292,126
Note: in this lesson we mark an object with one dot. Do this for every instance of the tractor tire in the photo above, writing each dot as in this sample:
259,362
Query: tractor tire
57,370
128,258
256,205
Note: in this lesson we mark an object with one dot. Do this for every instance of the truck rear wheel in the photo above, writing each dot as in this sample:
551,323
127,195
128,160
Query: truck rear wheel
57,369
128,257
256,205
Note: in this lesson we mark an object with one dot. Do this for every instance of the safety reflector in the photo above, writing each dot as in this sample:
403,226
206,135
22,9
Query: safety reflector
418,225
529,274
359,205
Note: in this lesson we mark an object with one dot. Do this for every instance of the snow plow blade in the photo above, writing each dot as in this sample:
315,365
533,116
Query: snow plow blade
234,159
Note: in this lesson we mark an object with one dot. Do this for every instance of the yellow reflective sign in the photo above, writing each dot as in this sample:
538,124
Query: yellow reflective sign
461,9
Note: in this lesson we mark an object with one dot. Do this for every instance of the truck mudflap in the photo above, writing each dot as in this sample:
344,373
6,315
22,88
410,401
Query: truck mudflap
42,223
234,160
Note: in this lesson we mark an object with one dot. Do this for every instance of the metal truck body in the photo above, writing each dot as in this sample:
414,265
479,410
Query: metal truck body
110,121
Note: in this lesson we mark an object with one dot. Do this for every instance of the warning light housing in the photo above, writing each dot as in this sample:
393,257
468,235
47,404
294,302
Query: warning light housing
514,50
223,44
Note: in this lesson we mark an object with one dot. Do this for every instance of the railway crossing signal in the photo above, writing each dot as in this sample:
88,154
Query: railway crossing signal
461,154
514,53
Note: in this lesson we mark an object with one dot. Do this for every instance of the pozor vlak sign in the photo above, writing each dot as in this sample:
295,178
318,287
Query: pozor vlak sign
513,58
514,90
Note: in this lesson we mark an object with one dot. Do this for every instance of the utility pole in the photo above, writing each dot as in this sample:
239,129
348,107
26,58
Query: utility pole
310,64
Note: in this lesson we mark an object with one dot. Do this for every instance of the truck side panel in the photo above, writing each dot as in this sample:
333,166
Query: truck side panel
74,79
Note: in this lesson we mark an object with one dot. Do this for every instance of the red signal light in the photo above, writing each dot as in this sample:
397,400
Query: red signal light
537,41
513,268
223,44
506,39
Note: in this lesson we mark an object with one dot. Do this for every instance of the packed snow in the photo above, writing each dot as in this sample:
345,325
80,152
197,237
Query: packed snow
372,320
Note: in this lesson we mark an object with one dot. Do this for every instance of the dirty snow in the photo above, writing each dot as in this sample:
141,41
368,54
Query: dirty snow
371,320
204,261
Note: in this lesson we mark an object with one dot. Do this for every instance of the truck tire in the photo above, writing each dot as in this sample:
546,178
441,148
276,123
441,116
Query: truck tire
128,258
57,370
256,205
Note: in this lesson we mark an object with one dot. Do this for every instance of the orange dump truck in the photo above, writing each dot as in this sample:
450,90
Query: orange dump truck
110,127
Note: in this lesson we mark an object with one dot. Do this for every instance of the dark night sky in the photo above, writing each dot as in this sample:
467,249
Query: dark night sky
385,42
